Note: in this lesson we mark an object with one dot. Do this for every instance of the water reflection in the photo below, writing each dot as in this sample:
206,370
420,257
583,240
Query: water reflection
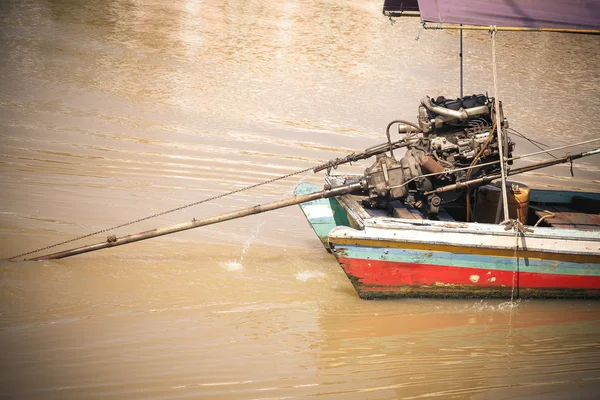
461,349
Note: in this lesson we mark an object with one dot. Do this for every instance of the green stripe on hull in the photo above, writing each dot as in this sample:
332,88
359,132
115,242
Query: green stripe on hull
323,214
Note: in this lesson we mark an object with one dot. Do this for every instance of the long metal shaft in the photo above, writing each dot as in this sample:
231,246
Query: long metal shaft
260,208
489,178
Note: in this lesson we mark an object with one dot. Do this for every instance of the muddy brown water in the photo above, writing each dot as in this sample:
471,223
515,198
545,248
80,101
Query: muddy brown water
111,111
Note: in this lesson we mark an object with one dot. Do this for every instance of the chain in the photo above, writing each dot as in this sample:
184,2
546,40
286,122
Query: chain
161,213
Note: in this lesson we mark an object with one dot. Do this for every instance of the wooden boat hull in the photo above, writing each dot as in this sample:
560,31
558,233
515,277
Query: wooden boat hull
392,257
405,267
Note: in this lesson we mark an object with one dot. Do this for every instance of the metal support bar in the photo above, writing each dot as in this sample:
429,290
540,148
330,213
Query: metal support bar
489,178
113,241
438,26
460,54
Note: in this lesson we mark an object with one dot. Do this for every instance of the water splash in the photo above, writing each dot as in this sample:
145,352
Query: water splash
306,275
238,264
233,265
484,305
509,305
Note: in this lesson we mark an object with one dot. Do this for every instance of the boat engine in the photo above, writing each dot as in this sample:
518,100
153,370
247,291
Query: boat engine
455,134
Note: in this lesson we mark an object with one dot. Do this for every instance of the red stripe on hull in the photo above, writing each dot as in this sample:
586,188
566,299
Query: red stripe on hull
377,275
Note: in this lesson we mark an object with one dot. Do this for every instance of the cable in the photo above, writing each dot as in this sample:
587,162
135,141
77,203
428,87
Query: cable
533,142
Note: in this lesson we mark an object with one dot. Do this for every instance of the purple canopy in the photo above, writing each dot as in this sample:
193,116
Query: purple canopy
563,14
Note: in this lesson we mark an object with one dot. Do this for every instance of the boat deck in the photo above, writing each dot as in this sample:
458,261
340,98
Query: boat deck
547,208
580,212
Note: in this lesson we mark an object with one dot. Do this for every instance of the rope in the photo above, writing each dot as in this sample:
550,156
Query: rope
499,125
519,229
515,271
159,214
537,144
516,225
548,215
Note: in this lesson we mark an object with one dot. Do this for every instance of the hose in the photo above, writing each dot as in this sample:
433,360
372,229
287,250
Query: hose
408,136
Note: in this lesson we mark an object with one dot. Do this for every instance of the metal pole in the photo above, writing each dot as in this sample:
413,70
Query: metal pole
489,178
114,241
460,53
429,25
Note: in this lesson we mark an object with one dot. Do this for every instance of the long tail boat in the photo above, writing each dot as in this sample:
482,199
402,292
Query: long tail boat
428,224
396,252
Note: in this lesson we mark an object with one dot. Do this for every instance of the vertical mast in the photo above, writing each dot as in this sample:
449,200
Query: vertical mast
460,55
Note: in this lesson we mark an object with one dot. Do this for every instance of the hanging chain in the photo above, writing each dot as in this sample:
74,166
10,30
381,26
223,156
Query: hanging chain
161,213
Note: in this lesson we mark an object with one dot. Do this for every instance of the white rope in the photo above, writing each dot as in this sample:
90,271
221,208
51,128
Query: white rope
516,224
499,130
555,149
514,279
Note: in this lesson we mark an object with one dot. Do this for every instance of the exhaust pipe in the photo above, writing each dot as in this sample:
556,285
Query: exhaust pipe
461,114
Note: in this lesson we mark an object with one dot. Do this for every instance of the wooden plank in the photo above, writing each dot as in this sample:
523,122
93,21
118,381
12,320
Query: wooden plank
567,218
398,210
355,210
416,213
556,220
